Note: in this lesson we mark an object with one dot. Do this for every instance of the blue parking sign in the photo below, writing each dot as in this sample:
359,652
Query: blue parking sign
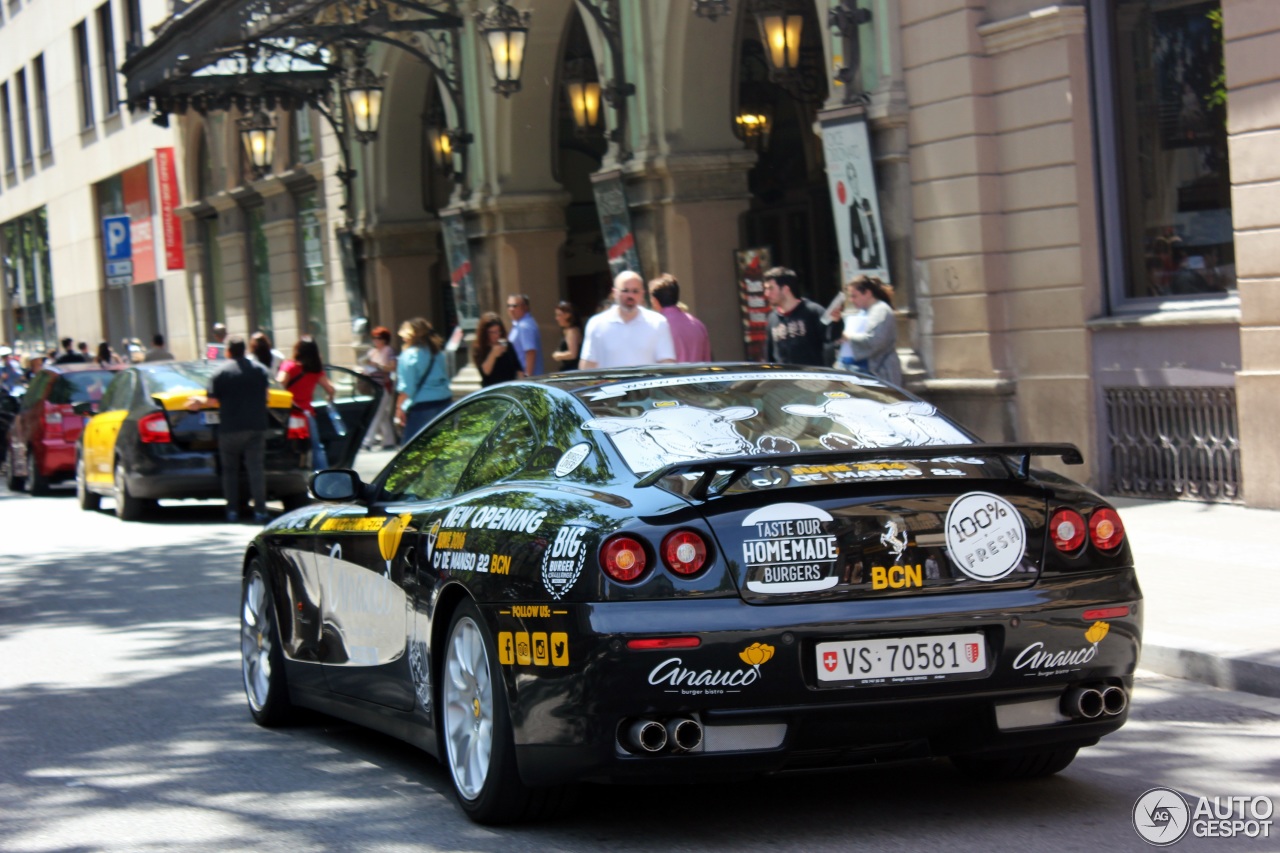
115,236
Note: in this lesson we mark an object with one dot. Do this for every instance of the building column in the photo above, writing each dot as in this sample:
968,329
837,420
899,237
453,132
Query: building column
400,273
1253,128
523,238
686,213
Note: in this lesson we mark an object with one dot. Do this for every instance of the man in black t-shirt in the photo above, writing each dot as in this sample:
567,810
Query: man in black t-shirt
240,387
796,333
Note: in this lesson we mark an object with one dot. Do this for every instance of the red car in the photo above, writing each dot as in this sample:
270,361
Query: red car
42,439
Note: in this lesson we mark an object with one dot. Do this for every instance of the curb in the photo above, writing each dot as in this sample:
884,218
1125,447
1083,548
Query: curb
1245,673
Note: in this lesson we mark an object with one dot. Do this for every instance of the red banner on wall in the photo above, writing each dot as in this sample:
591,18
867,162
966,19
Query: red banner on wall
167,179
137,203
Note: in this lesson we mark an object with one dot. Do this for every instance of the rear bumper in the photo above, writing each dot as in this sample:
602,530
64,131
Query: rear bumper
573,722
198,475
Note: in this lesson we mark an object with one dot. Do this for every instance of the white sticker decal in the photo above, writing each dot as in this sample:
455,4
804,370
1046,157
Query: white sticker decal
572,458
662,436
872,423
985,536
789,551
562,561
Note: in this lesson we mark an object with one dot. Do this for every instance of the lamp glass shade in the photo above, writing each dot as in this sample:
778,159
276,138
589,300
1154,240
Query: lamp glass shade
781,36
260,146
364,105
584,98
506,49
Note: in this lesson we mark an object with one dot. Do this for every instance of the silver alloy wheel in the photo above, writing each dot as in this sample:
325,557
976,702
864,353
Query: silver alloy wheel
256,638
468,708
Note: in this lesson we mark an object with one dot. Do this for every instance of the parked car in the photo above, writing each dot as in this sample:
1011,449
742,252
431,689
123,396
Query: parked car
41,439
144,445
680,573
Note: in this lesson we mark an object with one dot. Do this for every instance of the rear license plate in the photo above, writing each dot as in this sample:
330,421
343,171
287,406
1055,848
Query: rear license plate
210,417
894,660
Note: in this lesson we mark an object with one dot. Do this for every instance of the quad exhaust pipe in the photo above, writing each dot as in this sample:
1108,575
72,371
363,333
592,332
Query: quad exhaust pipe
650,737
1090,703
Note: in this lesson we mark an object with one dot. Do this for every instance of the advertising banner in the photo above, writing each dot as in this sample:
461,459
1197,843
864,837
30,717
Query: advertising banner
136,185
458,253
855,204
167,182
615,224
751,265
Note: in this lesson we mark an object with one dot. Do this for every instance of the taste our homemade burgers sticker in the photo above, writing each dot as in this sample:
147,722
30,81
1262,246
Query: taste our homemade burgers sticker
789,550
985,536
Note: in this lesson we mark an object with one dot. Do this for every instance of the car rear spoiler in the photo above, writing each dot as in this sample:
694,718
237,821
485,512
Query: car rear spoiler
732,468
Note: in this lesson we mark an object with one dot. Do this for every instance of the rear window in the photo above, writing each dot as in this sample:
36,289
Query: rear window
180,376
83,386
661,421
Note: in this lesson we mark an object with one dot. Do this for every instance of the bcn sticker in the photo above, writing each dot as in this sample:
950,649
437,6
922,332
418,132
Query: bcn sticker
536,648
897,577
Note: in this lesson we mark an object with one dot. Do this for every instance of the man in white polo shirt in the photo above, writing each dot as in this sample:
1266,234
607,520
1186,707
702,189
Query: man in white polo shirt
627,335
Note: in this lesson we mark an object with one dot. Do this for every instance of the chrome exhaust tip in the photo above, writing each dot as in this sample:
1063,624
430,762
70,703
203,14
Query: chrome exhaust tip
684,733
1083,702
1114,701
647,736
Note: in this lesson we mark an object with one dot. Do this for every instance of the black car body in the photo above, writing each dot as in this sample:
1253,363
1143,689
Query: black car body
675,573
144,445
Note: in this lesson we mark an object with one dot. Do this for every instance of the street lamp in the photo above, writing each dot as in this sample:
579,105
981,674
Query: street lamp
258,133
584,97
754,127
362,92
780,33
505,30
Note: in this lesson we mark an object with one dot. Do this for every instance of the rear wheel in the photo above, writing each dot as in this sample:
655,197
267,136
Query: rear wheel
37,482
89,501
128,508
1031,764
262,660
479,747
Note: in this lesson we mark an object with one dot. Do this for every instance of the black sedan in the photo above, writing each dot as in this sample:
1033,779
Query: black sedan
143,445
686,573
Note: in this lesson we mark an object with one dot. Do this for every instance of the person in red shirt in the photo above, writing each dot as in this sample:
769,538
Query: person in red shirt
300,375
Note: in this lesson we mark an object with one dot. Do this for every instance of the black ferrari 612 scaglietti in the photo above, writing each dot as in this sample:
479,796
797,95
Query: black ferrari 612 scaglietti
682,573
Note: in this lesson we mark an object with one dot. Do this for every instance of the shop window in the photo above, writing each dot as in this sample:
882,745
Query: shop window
1170,112
84,75
24,245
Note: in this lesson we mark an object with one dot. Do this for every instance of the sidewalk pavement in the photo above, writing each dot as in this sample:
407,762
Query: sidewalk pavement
1210,579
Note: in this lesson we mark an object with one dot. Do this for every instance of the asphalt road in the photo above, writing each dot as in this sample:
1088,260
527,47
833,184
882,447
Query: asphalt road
123,727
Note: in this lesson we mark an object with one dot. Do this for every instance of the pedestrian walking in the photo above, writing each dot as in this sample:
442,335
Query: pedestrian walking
688,333
217,347
569,352
526,338
795,330
68,355
158,351
872,333
240,387
422,383
300,375
380,368
261,351
627,334
494,355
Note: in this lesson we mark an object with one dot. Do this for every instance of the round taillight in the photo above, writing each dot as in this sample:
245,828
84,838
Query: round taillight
1067,528
684,552
1105,529
622,558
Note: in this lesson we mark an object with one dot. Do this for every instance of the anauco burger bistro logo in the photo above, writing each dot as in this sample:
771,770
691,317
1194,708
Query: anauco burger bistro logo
677,678
1035,659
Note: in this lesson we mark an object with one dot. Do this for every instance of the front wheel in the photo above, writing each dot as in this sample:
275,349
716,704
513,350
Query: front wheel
1030,764
479,747
89,500
262,661
128,508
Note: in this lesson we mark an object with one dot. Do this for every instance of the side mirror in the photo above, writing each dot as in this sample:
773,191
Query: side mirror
339,484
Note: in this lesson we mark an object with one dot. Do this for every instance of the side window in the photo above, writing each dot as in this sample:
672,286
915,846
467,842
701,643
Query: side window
503,453
430,466
118,392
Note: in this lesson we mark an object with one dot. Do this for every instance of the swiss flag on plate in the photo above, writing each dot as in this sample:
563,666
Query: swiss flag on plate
829,661
971,652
